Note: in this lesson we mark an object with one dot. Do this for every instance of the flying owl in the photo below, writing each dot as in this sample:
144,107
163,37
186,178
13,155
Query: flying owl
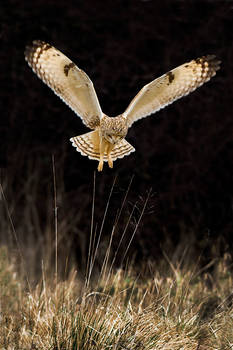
107,141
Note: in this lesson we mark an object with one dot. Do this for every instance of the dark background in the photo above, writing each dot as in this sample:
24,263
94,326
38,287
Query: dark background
183,153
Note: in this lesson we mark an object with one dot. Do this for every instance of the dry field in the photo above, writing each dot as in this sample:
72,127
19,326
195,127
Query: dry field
169,305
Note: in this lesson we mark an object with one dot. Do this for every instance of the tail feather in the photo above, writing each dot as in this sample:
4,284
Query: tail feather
122,149
88,145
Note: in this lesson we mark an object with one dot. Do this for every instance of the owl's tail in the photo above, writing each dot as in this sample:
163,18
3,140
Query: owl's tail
88,145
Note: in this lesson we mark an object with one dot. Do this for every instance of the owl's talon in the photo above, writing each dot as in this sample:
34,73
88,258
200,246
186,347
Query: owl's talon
100,166
110,163
76,89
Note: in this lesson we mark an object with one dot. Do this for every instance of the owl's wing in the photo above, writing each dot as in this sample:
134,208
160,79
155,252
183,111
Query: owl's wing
170,87
69,82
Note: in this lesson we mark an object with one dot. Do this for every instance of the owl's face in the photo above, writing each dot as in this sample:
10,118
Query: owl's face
113,129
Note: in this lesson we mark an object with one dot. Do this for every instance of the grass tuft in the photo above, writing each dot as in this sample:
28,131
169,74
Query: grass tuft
171,309
168,305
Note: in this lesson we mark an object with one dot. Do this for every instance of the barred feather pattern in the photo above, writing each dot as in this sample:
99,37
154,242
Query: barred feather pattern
170,87
107,141
85,145
68,82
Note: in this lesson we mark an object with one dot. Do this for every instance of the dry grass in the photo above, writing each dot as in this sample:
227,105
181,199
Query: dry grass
173,308
167,306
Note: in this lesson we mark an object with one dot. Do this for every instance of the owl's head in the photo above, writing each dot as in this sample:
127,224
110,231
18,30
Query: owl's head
113,129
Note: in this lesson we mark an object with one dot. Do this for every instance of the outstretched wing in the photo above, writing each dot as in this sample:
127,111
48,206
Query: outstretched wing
69,82
170,87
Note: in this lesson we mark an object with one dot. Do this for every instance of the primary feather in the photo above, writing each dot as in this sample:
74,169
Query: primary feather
69,82
170,87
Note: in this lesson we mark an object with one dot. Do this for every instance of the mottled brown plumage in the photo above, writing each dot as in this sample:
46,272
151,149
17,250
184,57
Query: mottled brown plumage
107,141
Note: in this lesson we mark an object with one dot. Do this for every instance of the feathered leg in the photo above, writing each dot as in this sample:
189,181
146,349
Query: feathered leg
102,147
109,150
96,147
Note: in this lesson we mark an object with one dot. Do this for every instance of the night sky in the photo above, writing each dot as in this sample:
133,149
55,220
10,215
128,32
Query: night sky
184,153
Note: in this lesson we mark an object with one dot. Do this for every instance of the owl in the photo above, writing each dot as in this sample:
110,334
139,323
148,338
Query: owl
106,142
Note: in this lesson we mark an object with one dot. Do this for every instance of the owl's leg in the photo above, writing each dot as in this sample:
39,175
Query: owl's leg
109,150
101,150
101,163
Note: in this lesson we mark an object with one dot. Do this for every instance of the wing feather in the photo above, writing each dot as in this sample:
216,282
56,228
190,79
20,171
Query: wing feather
69,82
170,87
